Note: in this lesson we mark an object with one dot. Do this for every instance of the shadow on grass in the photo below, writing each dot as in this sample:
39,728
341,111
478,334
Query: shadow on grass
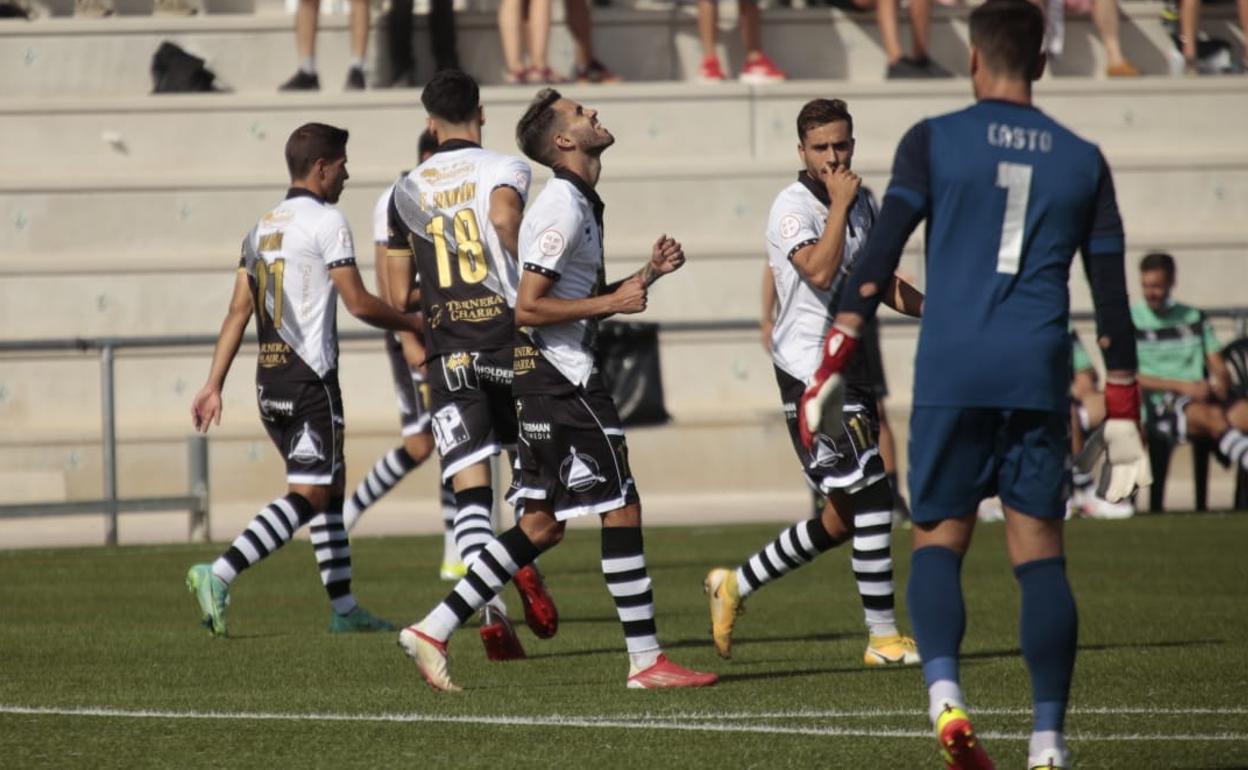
1016,651
699,642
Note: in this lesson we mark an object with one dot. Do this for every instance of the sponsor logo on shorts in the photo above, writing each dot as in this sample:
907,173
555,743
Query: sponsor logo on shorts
449,430
825,454
459,371
535,431
272,408
579,472
307,447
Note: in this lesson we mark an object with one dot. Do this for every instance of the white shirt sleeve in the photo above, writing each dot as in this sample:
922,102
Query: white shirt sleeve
334,239
792,226
514,173
550,233
381,228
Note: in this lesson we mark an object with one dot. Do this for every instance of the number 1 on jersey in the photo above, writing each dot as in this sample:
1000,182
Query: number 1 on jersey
468,247
1016,179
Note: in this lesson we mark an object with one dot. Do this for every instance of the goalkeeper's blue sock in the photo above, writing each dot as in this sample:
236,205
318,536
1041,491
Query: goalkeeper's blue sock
934,598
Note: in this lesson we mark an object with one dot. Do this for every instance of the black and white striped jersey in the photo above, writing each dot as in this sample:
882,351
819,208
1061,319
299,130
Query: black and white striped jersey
798,218
439,214
287,257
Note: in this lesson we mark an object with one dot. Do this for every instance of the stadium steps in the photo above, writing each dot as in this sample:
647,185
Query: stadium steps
194,135
171,293
255,52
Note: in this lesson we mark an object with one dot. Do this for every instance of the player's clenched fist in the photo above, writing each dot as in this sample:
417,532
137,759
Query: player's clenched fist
630,297
667,256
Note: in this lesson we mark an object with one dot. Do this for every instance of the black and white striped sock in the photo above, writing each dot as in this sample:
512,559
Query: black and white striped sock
1234,445
793,547
873,557
385,474
473,528
271,529
624,568
333,556
496,563
450,552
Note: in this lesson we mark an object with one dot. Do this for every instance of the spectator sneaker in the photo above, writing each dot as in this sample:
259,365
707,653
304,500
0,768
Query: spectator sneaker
710,71
1123,70
355,80
760,69
301,81
595,72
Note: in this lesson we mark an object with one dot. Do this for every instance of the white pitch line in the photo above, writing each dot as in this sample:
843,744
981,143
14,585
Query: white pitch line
583,722
995,711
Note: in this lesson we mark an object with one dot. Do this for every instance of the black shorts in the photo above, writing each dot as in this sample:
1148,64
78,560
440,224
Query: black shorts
410,390
304,421
572,453
848,463
474,415
1165,415
873,358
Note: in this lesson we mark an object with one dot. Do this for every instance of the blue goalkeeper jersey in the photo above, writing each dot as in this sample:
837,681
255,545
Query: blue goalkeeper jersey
1008,195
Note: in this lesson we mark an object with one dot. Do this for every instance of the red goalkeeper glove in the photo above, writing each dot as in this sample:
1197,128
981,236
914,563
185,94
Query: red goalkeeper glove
820,408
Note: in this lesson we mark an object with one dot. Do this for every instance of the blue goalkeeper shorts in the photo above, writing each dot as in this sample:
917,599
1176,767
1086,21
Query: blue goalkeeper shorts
962,455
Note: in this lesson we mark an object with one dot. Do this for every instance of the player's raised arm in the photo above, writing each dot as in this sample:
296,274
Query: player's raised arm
206,406
1103,253
819,262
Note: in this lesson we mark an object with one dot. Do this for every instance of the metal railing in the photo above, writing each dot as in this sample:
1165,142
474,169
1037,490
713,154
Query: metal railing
197,497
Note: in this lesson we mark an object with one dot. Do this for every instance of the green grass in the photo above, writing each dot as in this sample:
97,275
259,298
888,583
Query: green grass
1162,626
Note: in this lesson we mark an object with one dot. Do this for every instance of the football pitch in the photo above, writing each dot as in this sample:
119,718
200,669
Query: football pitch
104,663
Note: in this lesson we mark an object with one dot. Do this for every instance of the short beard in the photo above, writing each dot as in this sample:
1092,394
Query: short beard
596,150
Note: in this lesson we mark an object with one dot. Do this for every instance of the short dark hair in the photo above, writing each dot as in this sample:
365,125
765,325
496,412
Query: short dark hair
534,129
1009,35
312,142
1158,260
452,95
426,144
820,112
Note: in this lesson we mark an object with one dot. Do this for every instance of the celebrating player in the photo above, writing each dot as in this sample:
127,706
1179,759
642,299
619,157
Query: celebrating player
457,216
814,236
294,264
412,393
573,460
1008,195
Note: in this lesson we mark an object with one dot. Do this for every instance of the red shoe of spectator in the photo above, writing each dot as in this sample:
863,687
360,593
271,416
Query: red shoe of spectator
710,71
761,69
540,612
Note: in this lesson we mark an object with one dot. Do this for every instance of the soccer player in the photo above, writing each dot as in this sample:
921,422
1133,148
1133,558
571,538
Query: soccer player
1184,377
295,263
573,459
456,217
814,235
412,393
1008,195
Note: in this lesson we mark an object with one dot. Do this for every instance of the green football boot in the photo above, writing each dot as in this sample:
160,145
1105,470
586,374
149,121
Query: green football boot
212,593
358,620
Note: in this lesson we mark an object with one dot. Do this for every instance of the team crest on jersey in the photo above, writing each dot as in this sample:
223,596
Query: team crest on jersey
789,225
579,472
307,447
550,243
